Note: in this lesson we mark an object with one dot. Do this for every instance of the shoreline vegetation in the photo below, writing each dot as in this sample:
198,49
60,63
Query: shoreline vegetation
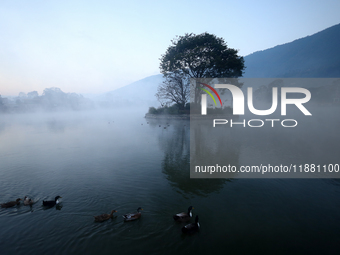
190,111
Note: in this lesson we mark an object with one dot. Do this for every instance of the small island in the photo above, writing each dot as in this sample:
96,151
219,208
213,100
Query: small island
192,57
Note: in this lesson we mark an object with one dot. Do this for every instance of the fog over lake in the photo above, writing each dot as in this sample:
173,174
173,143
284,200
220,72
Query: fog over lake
104,160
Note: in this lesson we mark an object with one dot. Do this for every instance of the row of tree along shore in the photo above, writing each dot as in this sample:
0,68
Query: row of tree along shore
52,99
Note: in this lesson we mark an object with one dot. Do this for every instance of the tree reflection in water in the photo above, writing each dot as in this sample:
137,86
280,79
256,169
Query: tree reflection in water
175,142
213,146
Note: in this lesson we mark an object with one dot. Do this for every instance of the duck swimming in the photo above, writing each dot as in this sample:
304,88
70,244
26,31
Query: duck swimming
183,217
133,216
192,227
11,203
104,216
28,201
51,202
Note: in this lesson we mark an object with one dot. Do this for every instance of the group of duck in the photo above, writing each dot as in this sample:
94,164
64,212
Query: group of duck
127,217
185,217
29,201
167,125
179,217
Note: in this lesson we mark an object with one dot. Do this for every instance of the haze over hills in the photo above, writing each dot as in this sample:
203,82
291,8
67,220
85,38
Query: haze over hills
141,92
315,56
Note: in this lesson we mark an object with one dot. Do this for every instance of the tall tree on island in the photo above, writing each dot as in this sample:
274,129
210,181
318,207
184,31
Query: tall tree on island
200,56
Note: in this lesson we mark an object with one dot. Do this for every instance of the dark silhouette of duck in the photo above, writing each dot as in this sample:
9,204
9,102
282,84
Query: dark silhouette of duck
104,216
51,202
183,217
11,203
133,216
192,227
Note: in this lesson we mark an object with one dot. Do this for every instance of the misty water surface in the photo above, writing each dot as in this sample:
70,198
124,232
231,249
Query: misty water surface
100,161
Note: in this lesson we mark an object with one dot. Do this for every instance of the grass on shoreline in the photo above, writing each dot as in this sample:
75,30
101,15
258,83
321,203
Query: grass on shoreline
188,109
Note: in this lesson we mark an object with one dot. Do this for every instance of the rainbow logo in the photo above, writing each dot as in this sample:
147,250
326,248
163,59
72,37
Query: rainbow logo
213,90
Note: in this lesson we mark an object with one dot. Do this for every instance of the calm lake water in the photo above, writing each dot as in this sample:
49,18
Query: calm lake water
100,161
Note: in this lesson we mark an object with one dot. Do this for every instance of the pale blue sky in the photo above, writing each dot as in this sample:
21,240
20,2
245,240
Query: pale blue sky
98,46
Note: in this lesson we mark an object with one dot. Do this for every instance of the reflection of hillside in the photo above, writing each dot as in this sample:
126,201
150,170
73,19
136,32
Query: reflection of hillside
176,162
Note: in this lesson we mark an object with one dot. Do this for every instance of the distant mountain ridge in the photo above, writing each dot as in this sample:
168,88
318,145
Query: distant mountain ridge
140,92
314,56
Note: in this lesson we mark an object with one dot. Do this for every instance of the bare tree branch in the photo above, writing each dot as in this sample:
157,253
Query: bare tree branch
175,89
